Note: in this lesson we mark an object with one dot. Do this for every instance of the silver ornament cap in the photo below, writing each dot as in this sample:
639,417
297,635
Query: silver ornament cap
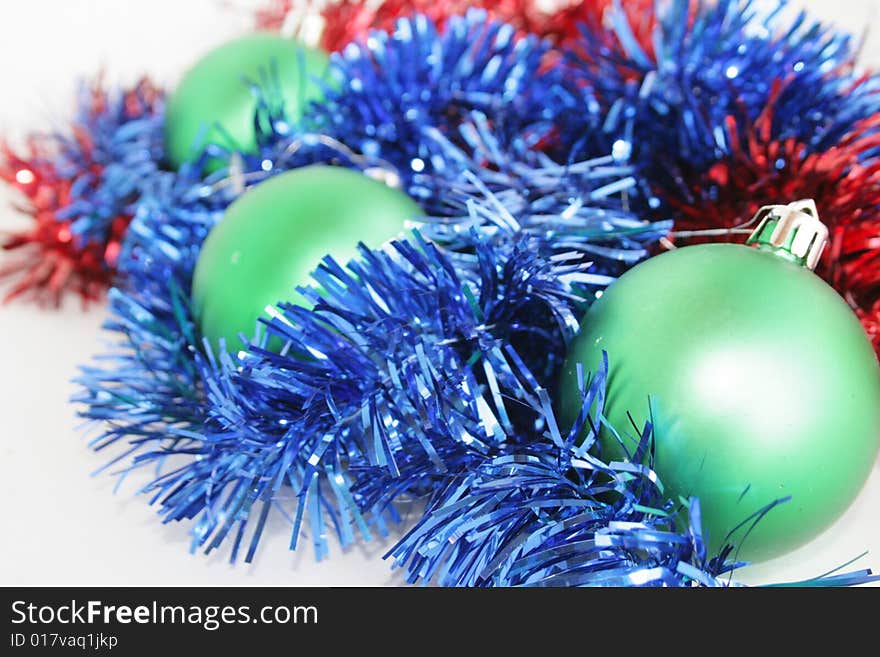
793,231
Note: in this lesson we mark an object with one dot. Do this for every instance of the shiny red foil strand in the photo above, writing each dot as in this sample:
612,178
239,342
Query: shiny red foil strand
350,20
48,261
845,186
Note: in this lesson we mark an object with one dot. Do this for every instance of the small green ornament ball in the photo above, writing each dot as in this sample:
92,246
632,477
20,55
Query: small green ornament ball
272,238
214,102
762,385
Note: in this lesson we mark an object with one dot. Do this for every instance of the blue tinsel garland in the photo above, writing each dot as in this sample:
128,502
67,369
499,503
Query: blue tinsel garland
422,368
714,62
125,142
394,94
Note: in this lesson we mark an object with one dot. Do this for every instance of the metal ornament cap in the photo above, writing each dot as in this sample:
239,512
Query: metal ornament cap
793,231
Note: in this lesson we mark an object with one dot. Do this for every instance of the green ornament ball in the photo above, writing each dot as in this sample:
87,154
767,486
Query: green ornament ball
214,102
271,239
762,385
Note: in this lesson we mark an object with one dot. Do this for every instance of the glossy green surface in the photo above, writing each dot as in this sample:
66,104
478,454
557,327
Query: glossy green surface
275,235
762,384
214,104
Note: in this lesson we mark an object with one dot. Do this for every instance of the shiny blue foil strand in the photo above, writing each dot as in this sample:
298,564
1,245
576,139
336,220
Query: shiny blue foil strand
715,61
128,149
578,209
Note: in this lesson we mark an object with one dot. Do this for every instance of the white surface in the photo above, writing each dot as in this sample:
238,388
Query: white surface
61,526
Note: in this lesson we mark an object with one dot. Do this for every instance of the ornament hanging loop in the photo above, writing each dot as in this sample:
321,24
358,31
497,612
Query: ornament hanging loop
793,231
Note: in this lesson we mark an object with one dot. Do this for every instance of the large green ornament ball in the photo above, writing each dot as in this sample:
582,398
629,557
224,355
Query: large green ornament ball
271,239
214,102
762,383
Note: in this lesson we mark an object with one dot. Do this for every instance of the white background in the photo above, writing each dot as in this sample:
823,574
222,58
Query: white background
61,526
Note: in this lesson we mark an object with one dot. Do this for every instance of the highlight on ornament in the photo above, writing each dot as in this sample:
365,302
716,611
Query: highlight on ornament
599,287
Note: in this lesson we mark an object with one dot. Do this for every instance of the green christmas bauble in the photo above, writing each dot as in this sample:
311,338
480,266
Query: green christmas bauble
272,238
214,102
762,385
